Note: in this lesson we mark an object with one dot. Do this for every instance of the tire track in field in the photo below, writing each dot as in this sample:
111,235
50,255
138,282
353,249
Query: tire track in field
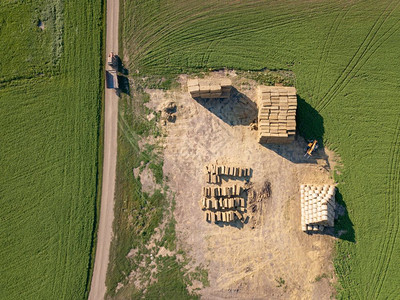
257,25
206,57
391,226
324,53
338,81
358,67
362,51
231,33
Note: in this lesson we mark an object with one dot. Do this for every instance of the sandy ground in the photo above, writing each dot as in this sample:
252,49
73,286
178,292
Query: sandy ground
269,257
104,235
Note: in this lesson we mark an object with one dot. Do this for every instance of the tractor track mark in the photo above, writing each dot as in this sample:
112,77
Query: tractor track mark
368,51
325,51
393,209
364,48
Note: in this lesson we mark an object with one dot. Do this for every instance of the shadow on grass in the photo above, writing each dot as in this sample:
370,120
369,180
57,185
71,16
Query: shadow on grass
344,229
310,126
123,80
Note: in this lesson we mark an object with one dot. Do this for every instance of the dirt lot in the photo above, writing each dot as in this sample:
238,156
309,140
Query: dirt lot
269,256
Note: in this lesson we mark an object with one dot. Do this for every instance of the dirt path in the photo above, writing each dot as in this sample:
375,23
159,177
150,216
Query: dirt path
98,287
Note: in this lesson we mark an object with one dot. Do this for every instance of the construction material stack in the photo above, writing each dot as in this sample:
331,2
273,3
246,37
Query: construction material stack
224,200
276,114
317,207
207,88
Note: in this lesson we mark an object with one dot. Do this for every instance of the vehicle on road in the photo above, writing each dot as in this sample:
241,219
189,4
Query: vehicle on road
111,79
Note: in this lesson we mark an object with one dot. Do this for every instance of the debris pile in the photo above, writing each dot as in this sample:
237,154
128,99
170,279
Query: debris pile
276,114
317,207
203,88
224,201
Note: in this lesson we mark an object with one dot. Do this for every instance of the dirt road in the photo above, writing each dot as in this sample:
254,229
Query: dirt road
104,235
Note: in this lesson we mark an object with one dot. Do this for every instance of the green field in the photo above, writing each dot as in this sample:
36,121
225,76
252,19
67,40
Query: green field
345,59
50,107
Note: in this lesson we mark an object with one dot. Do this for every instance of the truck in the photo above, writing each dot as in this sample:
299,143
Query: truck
111,79
110,59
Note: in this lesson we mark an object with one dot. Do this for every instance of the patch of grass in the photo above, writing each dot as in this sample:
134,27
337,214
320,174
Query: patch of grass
320,277
200,274
344,57
171,281
51,88
157,169
280,281
269,77
138,214
160,82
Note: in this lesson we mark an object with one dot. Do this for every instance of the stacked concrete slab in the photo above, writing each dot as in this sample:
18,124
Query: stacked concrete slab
317,207
276,114
209,88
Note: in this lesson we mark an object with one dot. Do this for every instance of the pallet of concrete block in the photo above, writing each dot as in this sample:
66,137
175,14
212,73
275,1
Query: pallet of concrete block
212,178
317,206
276,114
228,191
221,216
209,88
227,170
222,203
209,203
228,203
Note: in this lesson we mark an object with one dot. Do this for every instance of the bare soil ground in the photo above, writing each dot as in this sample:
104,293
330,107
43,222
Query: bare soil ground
268,257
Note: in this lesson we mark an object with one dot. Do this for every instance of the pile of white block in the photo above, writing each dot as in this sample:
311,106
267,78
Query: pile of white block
317,207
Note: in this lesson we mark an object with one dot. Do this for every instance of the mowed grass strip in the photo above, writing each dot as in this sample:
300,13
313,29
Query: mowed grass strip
50,105
344,56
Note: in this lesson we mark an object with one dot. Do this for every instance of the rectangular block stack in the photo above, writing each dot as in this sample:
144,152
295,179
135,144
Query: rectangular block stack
213,172
276,114
223,201
207,88
317,207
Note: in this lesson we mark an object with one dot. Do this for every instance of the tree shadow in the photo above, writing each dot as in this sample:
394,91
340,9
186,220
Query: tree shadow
238,109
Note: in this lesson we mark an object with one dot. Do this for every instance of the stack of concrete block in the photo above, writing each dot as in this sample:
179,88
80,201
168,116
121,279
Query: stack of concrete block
213,172
276,114
222,203
317,207
222,216
212,178
227,191
209,88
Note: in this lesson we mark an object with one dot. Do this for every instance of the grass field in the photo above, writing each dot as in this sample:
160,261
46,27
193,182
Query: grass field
345,61
50,107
